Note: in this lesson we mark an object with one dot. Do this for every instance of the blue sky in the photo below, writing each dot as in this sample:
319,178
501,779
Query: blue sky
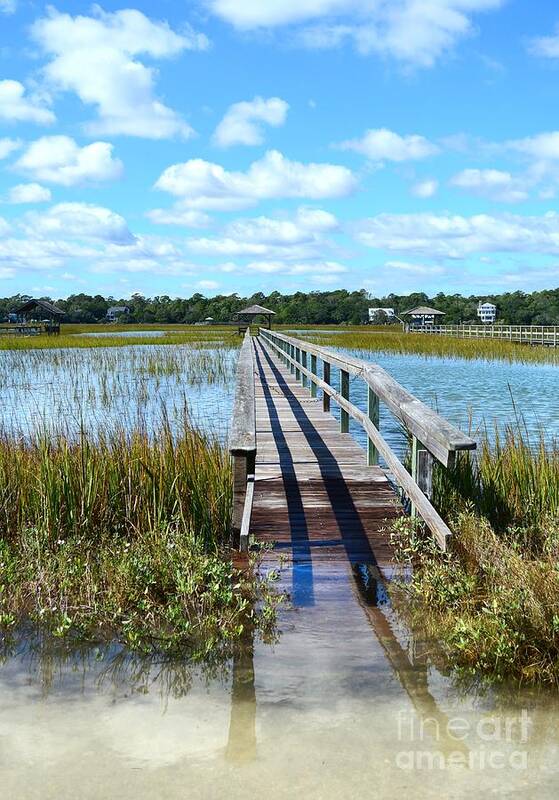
241,145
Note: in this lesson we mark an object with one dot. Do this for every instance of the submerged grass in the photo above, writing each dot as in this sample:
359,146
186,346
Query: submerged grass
124,538
493,599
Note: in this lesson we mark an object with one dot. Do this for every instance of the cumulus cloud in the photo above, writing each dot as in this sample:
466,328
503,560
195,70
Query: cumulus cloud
185,217
382,144
493,184
59,159
80,221
299,237
29,193
542,146
17,106
243,122
415,32
4,227
8,146
97,58
545,46
426,188
205,185
455,236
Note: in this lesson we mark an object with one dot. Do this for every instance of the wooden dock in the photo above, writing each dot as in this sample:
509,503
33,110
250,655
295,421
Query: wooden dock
302,483
315,496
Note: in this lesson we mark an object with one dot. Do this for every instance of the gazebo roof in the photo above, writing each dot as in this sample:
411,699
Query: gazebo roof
256,309
42,305
424,311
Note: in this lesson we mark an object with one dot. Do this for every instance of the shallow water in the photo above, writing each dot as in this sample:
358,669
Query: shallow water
124,334
345,705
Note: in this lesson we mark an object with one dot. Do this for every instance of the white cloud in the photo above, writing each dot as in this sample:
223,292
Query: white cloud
493,184
415,32
15,106
300,237
383,145
96,57
542,146
29,193
426,188
80,221
8,6
207,284
188,218
242,123
546,46
4,227
455,236
414,269
202,184
40,254
8,146
58,159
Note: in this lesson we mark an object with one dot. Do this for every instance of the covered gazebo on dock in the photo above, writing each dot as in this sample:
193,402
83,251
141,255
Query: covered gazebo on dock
248,315
40,316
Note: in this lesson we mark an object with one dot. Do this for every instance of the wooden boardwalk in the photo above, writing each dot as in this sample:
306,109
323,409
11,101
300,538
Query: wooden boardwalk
314,494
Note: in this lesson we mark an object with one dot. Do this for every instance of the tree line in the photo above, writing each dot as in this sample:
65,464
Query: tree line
305,308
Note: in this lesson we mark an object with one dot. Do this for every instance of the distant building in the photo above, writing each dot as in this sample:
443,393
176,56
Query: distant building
114,312
423,316
487,312
374,312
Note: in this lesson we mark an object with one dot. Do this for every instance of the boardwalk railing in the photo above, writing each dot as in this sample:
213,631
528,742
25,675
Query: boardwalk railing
242,443
432,436
547,335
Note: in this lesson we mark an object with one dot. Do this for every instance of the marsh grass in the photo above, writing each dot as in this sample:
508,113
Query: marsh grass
396,341
125,538
71,336
493,599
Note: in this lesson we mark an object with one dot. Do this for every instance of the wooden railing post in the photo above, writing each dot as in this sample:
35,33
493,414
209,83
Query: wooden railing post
298,360
373,411
304,379
313,370
421,470
344,391
242,444
326,379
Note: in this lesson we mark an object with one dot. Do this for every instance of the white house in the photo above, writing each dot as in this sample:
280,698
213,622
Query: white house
114,312
374,311
487,312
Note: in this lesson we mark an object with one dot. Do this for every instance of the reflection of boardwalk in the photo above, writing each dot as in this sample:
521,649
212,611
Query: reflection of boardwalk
314,494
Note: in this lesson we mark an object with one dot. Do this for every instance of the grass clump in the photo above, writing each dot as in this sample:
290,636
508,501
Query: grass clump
493,599
125,538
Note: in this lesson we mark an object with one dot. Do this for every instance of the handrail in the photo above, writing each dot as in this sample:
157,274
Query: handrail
242,440
439,436
524,334
443,446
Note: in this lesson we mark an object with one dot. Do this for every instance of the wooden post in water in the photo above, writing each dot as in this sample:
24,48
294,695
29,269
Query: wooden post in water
373,411
326,379
344,391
